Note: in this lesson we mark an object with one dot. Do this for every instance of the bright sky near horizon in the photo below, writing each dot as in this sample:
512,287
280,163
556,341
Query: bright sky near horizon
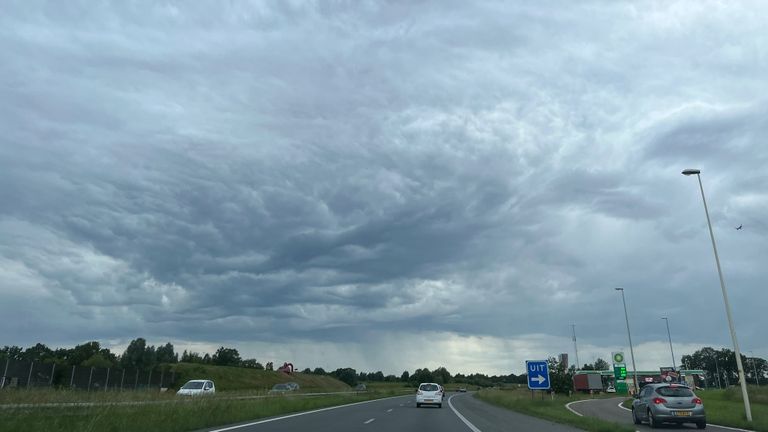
385,185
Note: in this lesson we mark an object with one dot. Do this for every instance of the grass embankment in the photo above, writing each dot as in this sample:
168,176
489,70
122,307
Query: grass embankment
726,407
551,409
241,395
234,378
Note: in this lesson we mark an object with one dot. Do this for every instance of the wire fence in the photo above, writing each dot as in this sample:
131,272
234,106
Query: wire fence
20,374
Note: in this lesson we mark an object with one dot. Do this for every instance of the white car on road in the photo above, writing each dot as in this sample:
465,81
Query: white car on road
429,394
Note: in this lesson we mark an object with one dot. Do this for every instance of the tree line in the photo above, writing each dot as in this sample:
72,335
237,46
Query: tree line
138,355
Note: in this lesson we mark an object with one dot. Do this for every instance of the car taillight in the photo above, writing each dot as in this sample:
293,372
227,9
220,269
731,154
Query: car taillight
697,401
659,400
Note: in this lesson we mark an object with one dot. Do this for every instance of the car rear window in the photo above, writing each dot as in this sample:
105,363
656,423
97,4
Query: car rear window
428,387
674,391
193,385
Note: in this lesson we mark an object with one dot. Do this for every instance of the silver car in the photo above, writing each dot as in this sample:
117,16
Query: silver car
668,403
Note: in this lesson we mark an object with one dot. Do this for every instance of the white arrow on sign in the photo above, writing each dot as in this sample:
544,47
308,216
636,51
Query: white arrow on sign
540,379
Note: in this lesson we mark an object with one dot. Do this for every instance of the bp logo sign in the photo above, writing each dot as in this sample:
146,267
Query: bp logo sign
618,357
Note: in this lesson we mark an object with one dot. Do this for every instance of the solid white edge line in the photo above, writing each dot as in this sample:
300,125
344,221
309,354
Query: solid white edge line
708,424
369,421
229,428
568,407
461,417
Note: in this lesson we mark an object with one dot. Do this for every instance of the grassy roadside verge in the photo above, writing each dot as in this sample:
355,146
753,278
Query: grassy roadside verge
726,407
193,414
554,410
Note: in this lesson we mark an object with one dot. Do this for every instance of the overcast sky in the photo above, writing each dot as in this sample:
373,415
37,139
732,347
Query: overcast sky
383,185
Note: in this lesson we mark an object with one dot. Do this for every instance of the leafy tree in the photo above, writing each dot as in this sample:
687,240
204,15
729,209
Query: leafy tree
166,354
422,375
721,365
319,371
83,352
250,363
226,357
11,352
601,365
270,366
134,355
346,375
98,360
191,357
442,376
405,377
560,379
38,353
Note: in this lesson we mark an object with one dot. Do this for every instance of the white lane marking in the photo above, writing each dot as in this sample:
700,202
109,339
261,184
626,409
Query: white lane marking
389,410
366,422
298,414
709,424
461,417
568,407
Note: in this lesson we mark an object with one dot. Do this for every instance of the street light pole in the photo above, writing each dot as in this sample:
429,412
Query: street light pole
717,367
576,351
669,335
754,368
740,367
629,335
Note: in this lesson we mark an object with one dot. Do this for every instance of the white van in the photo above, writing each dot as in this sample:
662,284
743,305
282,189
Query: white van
197,387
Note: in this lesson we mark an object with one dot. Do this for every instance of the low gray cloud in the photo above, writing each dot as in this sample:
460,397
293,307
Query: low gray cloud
336,173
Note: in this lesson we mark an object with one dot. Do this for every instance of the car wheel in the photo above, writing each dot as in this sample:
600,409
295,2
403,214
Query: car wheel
652,421
418,405
701,425
634,417
440,405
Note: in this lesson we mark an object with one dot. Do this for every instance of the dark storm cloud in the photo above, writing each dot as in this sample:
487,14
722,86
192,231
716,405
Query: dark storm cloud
348,171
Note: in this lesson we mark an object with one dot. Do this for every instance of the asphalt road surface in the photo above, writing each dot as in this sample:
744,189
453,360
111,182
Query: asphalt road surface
608,409
460,413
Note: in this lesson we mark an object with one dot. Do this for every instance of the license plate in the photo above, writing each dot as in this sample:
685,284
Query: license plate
682,413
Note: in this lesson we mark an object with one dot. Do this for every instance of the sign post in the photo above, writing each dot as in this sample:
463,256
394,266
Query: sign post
538,374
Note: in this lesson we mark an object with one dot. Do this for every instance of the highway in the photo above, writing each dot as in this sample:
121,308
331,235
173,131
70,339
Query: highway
608,409
460,413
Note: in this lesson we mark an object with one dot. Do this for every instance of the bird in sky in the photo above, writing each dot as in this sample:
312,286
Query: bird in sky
739,227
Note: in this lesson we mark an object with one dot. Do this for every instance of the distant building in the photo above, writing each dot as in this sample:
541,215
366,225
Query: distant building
563,358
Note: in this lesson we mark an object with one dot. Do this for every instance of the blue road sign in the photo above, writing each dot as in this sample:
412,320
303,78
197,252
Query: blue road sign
538,374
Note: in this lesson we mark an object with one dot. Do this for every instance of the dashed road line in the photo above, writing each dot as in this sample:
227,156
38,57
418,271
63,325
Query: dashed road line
369,421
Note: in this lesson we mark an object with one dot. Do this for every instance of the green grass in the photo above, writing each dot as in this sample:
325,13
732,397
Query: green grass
551,409
726,407
174,416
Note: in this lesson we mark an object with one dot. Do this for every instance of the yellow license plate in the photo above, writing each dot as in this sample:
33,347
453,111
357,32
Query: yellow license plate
682,413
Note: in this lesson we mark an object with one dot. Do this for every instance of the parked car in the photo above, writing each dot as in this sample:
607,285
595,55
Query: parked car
668,403
294,386
610,389
197,388
361,387
462,389
281,388
429,394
